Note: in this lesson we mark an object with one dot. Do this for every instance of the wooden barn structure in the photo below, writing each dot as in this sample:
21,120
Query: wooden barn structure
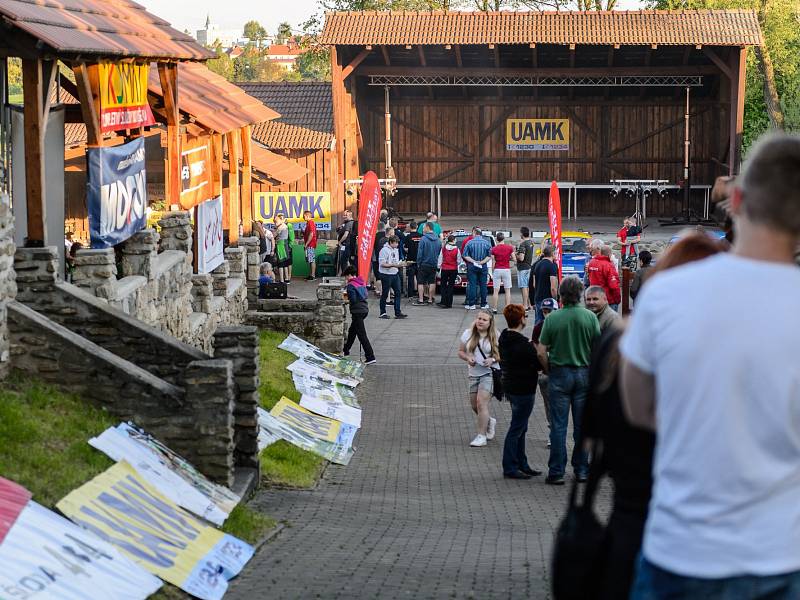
458,90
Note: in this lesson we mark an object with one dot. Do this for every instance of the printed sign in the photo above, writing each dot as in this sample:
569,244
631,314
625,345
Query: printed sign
328,398
170,474
195,174
554,218
123,96
537,134
13,499
323,428
121,508
116,191
342,366
210,251
310,365
369,208
266,437
46,556
292,205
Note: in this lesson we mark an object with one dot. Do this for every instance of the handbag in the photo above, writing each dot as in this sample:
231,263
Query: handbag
579,541
497,379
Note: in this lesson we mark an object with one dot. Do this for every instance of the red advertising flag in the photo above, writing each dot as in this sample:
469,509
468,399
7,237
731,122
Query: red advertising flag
369,209
554,217
13,498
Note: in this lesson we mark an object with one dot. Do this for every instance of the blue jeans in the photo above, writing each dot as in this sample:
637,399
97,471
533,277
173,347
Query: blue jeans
655,583
514,457
476,286
568,387
390,282
539,315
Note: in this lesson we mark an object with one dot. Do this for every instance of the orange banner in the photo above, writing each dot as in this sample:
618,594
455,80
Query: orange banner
195,174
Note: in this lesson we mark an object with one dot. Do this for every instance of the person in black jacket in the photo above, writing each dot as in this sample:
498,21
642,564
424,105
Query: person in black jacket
519,366
359,309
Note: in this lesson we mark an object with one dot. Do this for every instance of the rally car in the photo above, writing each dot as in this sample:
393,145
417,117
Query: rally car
461,278
575,246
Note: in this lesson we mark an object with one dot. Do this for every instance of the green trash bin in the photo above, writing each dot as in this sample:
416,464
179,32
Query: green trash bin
326,265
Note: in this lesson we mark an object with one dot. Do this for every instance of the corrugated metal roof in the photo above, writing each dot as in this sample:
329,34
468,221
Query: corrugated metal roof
683,27
213,101
100,28
306,110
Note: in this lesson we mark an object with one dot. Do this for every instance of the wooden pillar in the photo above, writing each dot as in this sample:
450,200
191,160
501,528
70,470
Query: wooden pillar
627,276
87,82
738,65
232,139
168,76
339,123
247,180
215,147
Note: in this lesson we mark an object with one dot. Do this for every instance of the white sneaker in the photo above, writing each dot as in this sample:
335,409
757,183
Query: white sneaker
492,427
469,307
480,440
485,307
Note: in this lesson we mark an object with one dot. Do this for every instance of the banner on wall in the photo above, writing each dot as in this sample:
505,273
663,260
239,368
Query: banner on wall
342,366
537,134
123,96
121,508
210,250
292,205
195,174
554,218
166,471
116,191
46,556
369,208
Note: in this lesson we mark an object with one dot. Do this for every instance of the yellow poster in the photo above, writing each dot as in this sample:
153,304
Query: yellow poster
124,510
292,205
317,426
537,134
123,96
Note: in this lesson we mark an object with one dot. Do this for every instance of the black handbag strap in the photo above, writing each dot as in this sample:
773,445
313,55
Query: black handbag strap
596,471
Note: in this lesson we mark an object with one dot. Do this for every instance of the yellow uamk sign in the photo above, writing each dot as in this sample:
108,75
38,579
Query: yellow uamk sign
123,96
537,134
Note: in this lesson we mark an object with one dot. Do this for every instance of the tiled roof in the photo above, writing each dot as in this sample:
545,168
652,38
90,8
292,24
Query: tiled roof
683,27
100,28
213,101
306,110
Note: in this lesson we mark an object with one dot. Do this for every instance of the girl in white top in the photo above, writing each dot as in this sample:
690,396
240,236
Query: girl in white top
479,350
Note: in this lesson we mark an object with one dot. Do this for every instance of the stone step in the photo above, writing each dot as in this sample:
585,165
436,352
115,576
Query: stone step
287,305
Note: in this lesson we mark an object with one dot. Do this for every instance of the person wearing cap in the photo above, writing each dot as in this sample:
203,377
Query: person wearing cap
597,302
548,306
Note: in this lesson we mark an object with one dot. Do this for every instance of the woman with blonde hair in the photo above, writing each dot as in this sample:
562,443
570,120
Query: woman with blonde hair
479,350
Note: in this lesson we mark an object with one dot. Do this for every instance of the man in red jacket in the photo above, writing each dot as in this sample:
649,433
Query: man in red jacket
602,272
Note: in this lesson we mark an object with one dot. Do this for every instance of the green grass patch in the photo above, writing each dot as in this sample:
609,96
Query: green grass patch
283,463
15,99
247,524
45,435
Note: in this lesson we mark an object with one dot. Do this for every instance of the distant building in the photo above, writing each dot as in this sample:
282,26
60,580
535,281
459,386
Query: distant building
285,55
235,51
211,34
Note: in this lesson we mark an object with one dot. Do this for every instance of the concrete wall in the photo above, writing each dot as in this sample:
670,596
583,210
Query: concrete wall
8,286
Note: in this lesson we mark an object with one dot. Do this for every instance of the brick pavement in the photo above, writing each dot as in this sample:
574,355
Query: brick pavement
417,513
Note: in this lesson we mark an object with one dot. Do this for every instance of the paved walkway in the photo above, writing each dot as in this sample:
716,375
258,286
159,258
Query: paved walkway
417,513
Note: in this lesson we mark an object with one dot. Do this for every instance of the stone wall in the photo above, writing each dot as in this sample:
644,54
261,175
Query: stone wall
320,321
8,287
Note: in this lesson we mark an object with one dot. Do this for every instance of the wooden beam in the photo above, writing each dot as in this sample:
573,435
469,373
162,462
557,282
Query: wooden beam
168,77
698,111
459,61
738,68
339,125
51,68
68,86
232,139
247,180
546,72
386,58
425,133
726,70
348,70
216,164
496,53
422,60
89,105
33,102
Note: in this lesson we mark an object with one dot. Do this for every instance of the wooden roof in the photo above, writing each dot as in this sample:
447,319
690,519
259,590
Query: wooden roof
306,114
646,27
97,29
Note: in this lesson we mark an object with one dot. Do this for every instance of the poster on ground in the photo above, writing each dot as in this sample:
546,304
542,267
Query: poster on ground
303,349
13,499
307,365
170,474
46,556
210,249
328,398
292,205
121,508
311,432
116,191
123,96
266,436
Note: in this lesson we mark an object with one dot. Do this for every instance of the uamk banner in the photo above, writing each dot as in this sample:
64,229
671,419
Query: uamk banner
116,190
292,205
123,96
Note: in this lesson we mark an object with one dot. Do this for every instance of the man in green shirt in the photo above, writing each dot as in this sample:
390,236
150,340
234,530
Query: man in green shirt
564,350
433,220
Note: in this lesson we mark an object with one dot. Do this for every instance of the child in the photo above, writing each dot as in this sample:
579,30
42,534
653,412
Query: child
266,277
357,296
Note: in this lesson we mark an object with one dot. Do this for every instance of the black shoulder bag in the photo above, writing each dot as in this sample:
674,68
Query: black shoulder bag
497,378
578,546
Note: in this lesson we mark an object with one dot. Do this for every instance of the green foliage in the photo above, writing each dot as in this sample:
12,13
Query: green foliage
254,31
14,76
315,64
284,33
44,437
223,64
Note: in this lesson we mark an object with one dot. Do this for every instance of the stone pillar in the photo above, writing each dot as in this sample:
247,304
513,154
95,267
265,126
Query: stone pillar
96,272
220,275
250,244
8,286
210,395
330,316
239,344
176,232
202,292
37,274
139,253
237,261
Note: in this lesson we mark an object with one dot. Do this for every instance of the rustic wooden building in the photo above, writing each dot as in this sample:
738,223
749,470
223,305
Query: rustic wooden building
452,84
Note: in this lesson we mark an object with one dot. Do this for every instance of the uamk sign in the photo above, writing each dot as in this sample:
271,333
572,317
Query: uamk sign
123,96
537,134
292,205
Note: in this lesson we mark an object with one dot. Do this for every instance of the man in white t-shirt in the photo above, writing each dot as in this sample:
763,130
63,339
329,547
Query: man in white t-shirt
389,264
722,393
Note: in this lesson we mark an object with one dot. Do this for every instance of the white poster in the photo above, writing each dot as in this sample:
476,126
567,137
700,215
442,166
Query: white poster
170,474
336,364
46,556
328,398
265,436
210,251
310,366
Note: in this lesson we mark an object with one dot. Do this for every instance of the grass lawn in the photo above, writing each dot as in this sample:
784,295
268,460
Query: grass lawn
15,99
282,463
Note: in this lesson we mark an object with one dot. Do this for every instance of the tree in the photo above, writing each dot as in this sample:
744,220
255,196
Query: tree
222,64
315,64
254,32
284,33
14,76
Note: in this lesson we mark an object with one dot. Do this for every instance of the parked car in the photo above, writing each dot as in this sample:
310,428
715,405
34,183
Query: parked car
461,278
575,247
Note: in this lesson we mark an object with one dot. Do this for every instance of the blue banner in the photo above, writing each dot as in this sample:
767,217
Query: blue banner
116,189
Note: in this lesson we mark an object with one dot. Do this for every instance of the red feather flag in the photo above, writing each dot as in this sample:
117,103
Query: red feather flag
554,217
369,210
